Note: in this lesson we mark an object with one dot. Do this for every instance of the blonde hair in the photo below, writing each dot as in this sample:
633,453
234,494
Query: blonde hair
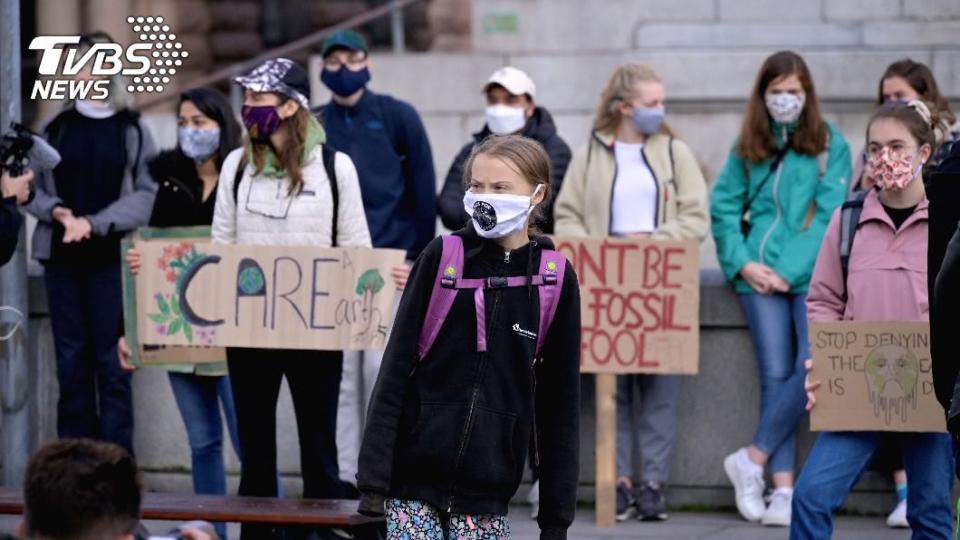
621,88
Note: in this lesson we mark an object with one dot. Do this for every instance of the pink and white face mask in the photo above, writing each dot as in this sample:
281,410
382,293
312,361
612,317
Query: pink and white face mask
892,171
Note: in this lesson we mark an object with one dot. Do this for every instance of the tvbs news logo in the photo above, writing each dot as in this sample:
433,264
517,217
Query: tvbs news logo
151,62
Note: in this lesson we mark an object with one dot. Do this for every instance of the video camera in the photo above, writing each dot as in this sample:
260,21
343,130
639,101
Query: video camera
21,148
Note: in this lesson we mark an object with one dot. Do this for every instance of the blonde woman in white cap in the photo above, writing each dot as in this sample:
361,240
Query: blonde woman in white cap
286,145
511,108
635,179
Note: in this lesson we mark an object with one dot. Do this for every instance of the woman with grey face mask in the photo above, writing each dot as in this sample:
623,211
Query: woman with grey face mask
773,199
187,185
634,178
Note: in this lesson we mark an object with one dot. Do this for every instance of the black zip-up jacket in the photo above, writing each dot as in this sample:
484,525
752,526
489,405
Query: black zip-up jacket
454,429
179,201
539,127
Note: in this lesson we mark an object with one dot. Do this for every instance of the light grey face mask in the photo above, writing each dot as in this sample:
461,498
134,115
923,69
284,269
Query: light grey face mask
199,144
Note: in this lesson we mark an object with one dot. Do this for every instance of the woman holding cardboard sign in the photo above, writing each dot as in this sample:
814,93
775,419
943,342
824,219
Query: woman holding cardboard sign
186,180
786,174
882,278
276,191
634,178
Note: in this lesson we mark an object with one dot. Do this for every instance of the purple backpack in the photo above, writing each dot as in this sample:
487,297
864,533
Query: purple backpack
549,282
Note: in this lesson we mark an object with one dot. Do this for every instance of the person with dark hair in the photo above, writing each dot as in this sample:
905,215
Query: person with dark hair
100,190
906,80
511,109
786,174
387,142
878,286
14,191
187,178
284,188
79,489
458,403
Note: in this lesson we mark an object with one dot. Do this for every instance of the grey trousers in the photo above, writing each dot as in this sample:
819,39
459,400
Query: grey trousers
652,429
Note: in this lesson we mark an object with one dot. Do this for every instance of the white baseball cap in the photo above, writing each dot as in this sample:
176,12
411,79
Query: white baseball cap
513,80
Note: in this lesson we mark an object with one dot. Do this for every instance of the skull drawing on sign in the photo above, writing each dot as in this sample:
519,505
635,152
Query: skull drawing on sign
892,373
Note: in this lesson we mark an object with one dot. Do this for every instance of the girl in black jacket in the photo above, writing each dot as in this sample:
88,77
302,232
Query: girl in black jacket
449,428
187,178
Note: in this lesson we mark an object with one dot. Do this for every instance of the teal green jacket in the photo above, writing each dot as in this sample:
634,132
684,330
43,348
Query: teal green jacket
789,215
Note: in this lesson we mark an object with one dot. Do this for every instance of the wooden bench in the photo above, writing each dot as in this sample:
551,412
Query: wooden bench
231,508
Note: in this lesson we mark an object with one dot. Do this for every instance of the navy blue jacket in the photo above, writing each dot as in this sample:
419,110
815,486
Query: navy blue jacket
386,140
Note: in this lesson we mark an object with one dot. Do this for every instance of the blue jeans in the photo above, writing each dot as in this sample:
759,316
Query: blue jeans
86,313
778,327
839,458
199,399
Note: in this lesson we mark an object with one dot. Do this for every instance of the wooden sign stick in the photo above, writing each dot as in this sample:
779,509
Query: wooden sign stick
606,389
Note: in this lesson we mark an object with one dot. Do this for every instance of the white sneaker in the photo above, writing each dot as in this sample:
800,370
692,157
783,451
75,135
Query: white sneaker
780,509
898,518
533,497
747,480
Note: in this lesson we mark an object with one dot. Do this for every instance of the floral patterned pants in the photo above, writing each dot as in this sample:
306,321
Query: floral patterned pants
415,520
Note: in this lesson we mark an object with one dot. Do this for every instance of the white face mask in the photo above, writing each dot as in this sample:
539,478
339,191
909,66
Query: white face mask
785,108
499,215
504,119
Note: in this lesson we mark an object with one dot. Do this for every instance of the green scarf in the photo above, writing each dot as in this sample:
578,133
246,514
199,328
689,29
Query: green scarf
271,165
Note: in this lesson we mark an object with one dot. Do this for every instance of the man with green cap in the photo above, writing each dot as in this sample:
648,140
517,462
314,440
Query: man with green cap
387,142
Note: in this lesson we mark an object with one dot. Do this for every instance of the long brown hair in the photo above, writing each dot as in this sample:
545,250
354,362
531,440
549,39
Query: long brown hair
290,155
525,156
921,79
757,141
621,88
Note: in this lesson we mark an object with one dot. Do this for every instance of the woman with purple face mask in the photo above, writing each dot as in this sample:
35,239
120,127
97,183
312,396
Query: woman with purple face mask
285,146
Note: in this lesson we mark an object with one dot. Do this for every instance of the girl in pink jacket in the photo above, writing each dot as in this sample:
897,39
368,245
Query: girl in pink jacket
886,280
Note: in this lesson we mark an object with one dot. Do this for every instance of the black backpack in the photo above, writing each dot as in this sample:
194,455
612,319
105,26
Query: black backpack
329,165
849,223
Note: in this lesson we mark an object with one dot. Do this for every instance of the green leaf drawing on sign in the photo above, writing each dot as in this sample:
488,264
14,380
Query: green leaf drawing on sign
158,318
174,327
188,331
371,280
162,304
175,305
250,280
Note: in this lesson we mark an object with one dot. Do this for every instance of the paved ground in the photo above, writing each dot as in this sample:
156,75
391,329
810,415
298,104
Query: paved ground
681,526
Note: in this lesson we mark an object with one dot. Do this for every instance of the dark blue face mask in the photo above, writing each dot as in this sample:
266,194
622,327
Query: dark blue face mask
344,82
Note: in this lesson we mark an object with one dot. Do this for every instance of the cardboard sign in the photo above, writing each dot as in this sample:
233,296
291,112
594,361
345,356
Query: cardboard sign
206,358
875,376
640,304
218,295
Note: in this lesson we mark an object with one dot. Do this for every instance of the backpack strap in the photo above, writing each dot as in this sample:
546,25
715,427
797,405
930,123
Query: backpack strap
552,267
330,165
849,223
238,175
443,294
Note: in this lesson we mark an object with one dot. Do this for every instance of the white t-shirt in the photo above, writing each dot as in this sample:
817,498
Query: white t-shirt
634,192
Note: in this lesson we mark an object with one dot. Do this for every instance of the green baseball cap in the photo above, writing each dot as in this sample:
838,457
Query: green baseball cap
345,39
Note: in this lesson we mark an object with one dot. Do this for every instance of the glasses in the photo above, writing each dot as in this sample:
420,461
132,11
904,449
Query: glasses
895,150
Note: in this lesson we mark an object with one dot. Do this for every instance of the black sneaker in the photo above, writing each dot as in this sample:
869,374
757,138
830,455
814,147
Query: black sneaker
626,504
652,503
